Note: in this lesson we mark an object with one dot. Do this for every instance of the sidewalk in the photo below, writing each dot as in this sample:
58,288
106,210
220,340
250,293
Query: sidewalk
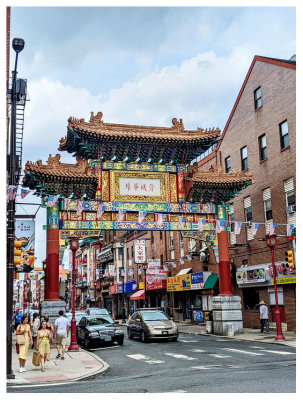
75,366
248,334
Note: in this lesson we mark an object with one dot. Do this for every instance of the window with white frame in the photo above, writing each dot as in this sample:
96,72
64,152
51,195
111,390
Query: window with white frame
290,201
232,236
267,204
192,245
248,217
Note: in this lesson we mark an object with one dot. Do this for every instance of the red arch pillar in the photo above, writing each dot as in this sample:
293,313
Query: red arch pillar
52,254
224,267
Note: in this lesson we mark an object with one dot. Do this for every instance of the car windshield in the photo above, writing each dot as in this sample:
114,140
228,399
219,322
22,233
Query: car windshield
99,321
154,316
98,311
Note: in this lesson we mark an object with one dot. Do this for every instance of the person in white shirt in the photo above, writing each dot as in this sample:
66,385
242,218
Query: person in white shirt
264,316
61,331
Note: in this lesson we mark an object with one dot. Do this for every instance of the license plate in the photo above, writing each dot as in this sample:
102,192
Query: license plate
107,338
164,332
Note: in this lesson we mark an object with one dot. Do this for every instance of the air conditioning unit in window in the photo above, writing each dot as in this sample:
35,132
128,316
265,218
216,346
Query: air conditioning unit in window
291,209
248,224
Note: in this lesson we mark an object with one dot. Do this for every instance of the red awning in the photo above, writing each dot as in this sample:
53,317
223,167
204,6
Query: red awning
139,295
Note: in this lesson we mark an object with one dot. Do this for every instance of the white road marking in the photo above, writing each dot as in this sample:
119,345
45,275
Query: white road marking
183,356
249,353
278,352
198,350
142,357
218,356
208,367
177,391
188,341
256,347
103,348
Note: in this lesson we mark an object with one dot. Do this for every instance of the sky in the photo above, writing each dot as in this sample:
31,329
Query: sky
138,65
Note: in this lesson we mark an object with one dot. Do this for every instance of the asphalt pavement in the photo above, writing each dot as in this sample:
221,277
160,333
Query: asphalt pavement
195,364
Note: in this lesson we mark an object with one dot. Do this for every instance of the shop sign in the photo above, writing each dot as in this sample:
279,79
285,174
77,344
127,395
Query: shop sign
281,269
113,289
128,287
197,315
197,281
140,251
141,285
178,283
151,263
250,275
156,281
284,281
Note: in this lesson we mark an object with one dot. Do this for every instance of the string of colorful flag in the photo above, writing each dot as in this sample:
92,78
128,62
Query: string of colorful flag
219,224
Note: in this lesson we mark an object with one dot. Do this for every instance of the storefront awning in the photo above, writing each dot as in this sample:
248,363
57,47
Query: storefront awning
184,271
210,282
139,295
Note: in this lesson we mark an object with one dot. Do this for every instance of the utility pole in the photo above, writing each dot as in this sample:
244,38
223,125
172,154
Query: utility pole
12,173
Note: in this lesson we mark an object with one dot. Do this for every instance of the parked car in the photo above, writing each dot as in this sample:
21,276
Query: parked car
94,329
96,311
151,324
78,316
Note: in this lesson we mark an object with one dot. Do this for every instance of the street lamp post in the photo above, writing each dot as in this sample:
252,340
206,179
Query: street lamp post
74,245
271,241
18,46
145,297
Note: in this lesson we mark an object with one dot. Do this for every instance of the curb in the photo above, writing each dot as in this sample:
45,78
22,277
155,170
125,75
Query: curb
101,370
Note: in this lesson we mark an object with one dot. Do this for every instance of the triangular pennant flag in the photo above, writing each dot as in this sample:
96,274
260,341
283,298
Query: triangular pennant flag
272,228
181,260
189,257
218,228
181,222
289,229
254,228
238,226
161,218
141,216
174,264
11,192
79,207
24,193
121,214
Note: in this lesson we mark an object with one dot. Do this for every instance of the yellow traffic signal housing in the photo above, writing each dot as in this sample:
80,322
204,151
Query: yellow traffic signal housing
17,252
289,258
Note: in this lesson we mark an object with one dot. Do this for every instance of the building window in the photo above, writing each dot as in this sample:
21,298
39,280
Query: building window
267,204
171,241
284,135
262,147
258,98
161,259
244,162
160,235
127,253
251,298
290,200
247,209
192,245
132,251
245,262
152,237
227,165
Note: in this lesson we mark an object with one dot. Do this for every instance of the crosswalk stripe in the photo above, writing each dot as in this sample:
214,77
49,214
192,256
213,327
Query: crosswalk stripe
278,352
197,350
188,341
249,353
177,391
207,367
142,357
181,356
218,356
256,347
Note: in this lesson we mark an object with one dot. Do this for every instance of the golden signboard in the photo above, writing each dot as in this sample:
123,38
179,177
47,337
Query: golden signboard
141,285
284,281
178,283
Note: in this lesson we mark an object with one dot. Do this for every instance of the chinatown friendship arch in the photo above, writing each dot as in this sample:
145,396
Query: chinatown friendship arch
134,168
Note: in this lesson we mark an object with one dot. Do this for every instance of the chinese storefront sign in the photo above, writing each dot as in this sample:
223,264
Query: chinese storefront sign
156,281
197,281
25,233
178,283
140,252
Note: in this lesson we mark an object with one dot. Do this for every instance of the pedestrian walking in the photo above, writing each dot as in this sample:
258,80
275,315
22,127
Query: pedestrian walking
35,325
25,330
264,316
17,319
43,346
61,331
50,328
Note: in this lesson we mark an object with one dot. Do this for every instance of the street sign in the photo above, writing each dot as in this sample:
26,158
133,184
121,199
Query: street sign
140,251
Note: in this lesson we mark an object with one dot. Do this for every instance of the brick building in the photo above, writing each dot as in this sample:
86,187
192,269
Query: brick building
260,136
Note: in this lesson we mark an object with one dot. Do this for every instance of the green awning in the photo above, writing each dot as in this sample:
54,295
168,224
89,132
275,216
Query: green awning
210,282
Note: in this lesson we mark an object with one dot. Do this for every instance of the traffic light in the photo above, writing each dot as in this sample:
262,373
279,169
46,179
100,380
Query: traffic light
289,258
17,252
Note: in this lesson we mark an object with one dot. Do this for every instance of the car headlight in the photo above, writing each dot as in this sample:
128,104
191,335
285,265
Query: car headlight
93,334
174,326
119,331
150,326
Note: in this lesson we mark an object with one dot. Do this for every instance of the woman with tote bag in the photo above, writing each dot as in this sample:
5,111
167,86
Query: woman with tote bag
23,335
42,346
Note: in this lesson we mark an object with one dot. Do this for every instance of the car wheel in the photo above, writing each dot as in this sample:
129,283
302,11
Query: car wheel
175,339
129,334
87,344
120,342
143,337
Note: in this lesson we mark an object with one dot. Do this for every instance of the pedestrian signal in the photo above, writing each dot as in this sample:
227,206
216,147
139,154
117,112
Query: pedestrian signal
289,259
17,252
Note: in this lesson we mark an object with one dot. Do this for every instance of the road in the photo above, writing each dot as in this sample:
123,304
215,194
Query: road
195,364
